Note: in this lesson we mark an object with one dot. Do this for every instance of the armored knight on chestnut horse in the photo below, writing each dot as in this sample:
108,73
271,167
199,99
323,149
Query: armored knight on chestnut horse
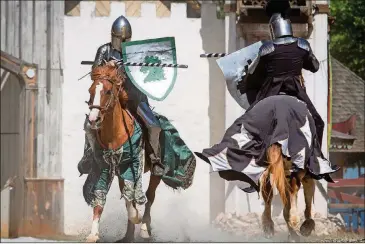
119,129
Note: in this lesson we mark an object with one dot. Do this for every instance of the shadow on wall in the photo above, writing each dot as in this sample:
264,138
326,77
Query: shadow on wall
213,40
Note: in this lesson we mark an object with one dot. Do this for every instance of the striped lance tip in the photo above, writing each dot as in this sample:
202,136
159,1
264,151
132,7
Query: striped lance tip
212,55
156,65
163,65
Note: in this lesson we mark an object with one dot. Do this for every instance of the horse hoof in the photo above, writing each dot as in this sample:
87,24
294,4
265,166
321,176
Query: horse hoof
144,233
92,238
294,221
268,229
307,227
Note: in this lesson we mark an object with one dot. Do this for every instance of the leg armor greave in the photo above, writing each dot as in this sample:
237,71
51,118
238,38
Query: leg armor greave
153,129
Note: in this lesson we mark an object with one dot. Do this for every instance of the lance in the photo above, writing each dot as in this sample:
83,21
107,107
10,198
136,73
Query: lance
212,55
120,62
162,65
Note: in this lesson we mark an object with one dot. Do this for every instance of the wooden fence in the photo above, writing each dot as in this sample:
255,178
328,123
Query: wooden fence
346,197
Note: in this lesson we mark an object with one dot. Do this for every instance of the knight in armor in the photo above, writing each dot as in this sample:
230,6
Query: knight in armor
279,63
138,105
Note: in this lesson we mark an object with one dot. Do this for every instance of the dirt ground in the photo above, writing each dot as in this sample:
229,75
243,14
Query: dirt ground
340,237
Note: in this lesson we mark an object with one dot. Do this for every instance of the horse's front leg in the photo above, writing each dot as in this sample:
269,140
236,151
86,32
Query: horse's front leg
267,195
145,231
94,235
290,210
129,235
309,224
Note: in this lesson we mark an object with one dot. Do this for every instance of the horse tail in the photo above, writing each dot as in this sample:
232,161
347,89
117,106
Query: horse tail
276,169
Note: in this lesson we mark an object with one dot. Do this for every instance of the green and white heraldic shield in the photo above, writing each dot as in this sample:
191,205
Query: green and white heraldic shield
155,82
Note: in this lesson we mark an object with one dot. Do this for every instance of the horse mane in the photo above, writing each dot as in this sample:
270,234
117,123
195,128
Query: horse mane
109,72
113,74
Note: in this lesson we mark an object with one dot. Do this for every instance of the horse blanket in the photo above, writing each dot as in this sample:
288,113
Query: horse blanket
104,164
178,159
283,119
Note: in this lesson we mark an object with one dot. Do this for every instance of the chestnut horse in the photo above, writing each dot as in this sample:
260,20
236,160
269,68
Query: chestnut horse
288,184
114,128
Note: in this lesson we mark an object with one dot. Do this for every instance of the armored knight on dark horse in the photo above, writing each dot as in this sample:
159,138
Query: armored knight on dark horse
276,142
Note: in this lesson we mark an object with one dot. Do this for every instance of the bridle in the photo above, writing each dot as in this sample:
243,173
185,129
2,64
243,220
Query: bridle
104,109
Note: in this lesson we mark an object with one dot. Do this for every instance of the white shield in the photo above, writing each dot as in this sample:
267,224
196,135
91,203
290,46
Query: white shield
233,67
155,82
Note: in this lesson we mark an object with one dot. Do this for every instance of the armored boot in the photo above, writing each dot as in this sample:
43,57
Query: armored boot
153,138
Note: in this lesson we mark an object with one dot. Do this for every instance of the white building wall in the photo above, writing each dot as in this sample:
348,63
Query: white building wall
187,107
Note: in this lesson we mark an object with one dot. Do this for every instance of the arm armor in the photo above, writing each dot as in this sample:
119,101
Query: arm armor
310,61
101,55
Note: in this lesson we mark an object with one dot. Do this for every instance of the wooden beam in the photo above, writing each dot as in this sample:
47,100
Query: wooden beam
194,4
336,194
347,183
230,8
4,79
72,8
346,205
258,15
102,8
321,8
133,8
10,63
163,9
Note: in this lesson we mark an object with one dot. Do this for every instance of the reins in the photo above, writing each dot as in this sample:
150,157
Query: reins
105,108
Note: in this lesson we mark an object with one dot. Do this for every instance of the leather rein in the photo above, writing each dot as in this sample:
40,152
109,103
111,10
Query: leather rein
105,108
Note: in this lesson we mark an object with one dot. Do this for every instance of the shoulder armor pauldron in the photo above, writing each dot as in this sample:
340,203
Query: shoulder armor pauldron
304,44
266,48
285,40
104,48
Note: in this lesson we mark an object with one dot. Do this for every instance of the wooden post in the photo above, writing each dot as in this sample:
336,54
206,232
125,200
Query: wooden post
5,212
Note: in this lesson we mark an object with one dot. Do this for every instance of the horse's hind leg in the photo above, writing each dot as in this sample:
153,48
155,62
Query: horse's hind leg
308,225
290,211
267,195
94,235
145,231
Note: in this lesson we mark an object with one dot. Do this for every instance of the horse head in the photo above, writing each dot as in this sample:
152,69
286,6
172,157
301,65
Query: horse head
105,93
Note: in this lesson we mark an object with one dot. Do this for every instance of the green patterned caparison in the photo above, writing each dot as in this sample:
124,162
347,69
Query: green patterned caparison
178,159
127,164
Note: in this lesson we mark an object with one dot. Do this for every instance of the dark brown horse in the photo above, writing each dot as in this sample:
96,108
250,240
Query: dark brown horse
114,126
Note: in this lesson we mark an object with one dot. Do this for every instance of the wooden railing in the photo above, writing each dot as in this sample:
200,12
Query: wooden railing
346,197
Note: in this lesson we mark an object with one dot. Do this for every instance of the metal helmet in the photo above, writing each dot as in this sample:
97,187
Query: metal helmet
279,26
121,32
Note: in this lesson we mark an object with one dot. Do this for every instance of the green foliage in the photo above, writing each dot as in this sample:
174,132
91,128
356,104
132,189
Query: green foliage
154,73
348,34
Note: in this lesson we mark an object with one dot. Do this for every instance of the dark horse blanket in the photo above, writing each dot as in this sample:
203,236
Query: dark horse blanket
282,119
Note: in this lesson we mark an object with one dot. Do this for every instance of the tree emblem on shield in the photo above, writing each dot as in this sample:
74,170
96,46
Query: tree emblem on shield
155,82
